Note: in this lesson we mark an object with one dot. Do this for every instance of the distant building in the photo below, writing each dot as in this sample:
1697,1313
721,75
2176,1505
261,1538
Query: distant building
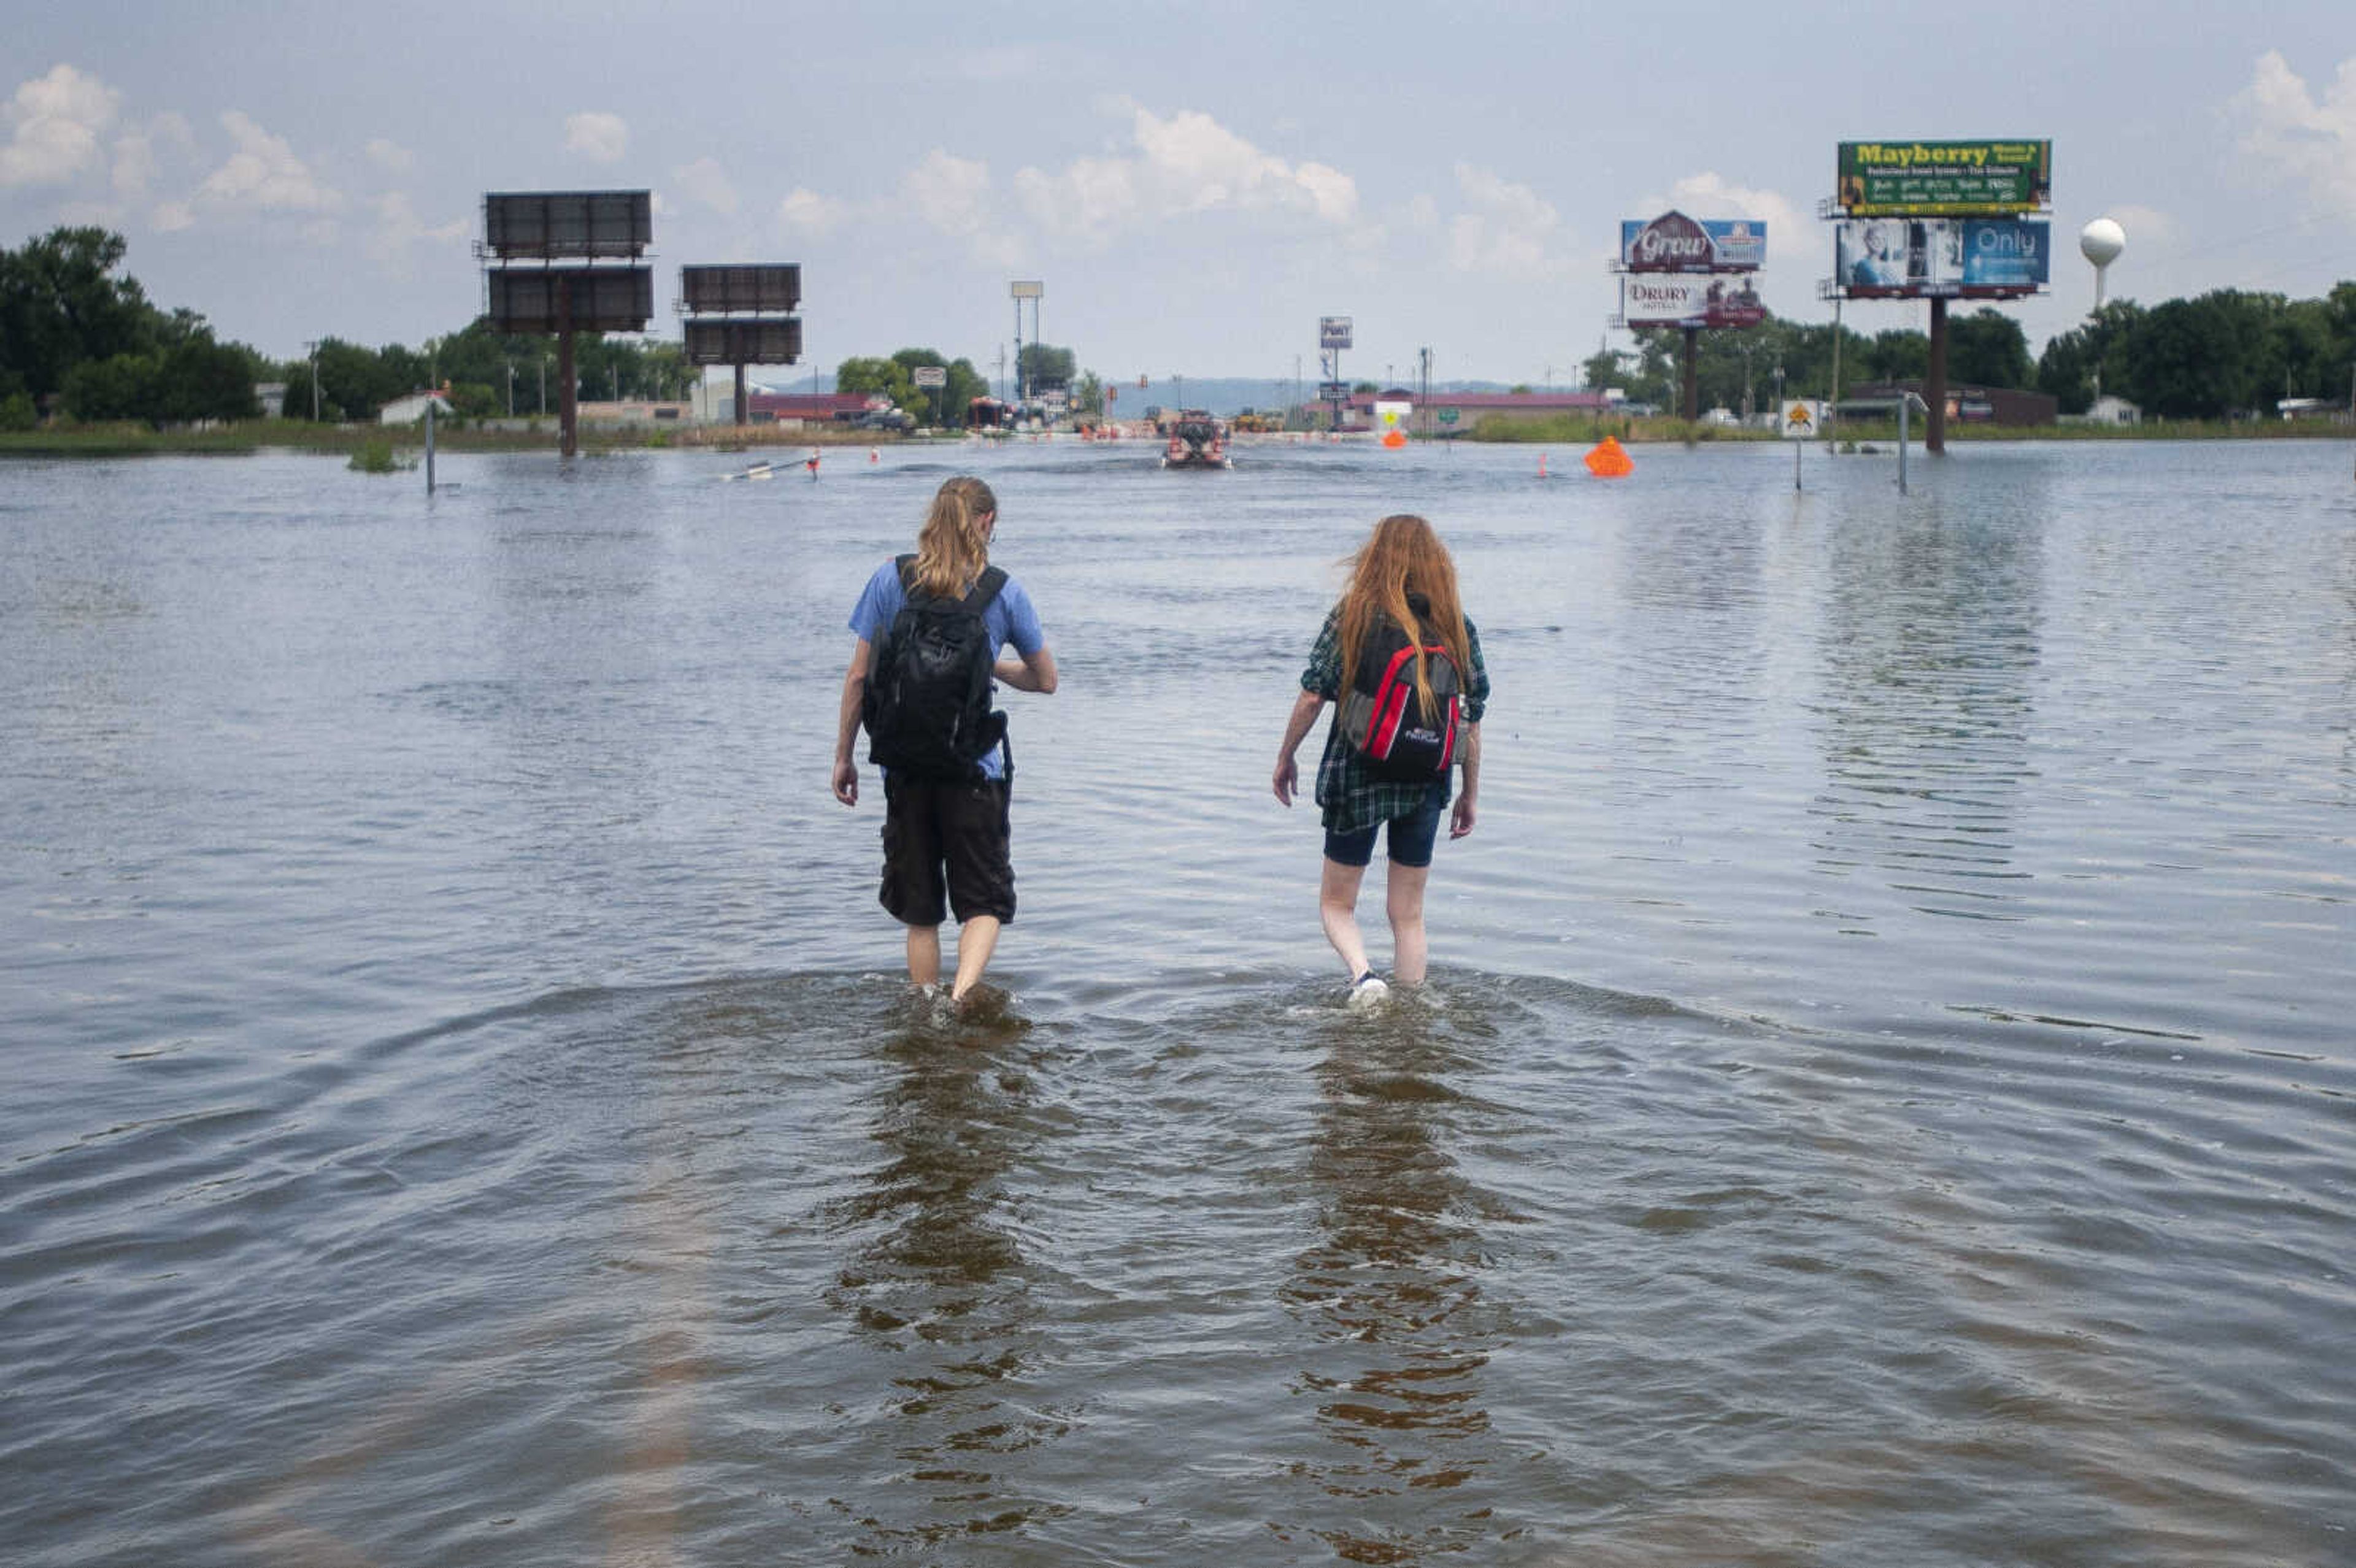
1470,409
719,406
412,409
272,396
632,411
1965,404
2108,409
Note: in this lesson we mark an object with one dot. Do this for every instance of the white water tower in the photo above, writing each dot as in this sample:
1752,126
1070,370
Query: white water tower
2100,242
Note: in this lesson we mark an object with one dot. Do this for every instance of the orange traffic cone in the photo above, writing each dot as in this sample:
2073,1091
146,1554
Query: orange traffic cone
1610,459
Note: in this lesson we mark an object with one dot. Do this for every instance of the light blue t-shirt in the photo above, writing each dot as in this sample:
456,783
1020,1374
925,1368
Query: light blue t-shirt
1009,619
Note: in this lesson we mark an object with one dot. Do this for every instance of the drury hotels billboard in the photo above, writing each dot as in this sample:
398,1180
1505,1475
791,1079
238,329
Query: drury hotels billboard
1958,258
1937,179
1676,243
1682,299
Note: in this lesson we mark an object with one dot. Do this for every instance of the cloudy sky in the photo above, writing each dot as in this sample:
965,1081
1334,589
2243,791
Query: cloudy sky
1196,183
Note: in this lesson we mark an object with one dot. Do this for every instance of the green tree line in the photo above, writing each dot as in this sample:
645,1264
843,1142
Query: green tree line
893,377
80,338
75,334
2225,354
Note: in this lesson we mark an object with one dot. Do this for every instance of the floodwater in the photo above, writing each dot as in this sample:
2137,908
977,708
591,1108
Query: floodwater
1885,1094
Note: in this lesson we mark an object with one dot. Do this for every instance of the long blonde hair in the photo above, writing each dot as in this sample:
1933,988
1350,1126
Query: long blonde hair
953,547
1404,556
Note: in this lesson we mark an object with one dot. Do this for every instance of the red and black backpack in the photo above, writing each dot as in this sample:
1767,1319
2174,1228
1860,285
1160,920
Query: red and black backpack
1384,717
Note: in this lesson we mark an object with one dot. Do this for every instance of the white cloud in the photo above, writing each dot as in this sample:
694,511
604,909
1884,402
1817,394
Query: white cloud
1511,230
391,157
264,175
398,227
1708,196
55,122
706,182
139,153
1187,162
599,137
950,193
171,217
954,194
806,211
2143,222
2290,134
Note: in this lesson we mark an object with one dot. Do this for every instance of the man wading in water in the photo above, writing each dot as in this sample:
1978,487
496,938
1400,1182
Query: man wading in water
930,627
1400,656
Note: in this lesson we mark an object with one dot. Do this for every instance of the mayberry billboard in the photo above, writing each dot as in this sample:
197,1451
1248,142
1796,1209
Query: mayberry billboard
1942,219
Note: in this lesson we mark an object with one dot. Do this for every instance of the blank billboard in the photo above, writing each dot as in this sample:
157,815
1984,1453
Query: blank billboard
552,223
604,299
743,342
771,287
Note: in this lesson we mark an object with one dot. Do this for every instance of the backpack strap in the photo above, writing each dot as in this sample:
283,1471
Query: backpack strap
985,589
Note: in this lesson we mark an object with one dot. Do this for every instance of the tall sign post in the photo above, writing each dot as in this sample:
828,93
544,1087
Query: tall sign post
564,261
1025,289
1334,333
1940,220
741,316
1676,272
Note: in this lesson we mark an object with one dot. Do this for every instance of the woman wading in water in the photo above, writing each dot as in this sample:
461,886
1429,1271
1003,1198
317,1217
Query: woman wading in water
1401,594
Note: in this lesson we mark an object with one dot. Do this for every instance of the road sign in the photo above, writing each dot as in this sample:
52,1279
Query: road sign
1448,416
1802,419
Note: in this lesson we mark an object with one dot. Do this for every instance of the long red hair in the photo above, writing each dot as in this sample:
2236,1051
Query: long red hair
1404,556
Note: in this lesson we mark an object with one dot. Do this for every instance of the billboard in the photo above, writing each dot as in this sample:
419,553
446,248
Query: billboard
768,286
604,299
1333,332
1676,243
1940,179
544,223
718,341
1683,299
1952,258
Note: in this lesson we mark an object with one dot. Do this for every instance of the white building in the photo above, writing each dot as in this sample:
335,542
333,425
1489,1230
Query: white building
412,409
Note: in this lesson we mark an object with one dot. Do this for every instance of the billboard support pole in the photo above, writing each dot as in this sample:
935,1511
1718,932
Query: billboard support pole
739,411
1934,381
568,388
1904,403
1832,409
1692,393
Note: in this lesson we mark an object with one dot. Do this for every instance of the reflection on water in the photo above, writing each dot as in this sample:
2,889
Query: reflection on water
1928,657
936,1285
1392,1291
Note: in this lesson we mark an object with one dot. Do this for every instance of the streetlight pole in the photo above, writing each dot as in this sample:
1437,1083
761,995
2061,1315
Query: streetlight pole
510,389
314,347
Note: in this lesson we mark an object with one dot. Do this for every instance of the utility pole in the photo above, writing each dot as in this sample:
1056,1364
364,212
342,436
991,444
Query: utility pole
313,344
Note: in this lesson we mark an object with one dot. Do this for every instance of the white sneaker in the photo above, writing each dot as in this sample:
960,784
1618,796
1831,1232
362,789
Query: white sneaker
1367,991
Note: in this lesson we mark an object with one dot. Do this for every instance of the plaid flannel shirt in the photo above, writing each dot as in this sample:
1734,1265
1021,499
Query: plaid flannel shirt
1353,798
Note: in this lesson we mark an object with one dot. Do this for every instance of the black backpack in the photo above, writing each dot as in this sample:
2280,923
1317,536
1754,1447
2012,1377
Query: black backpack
926,706
1383,715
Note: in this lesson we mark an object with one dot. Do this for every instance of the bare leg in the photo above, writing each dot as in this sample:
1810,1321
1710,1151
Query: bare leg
1337,907
976,939
1403,902
924,955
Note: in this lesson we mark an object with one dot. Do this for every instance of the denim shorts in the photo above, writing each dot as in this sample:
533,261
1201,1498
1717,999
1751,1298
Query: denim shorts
1412,836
